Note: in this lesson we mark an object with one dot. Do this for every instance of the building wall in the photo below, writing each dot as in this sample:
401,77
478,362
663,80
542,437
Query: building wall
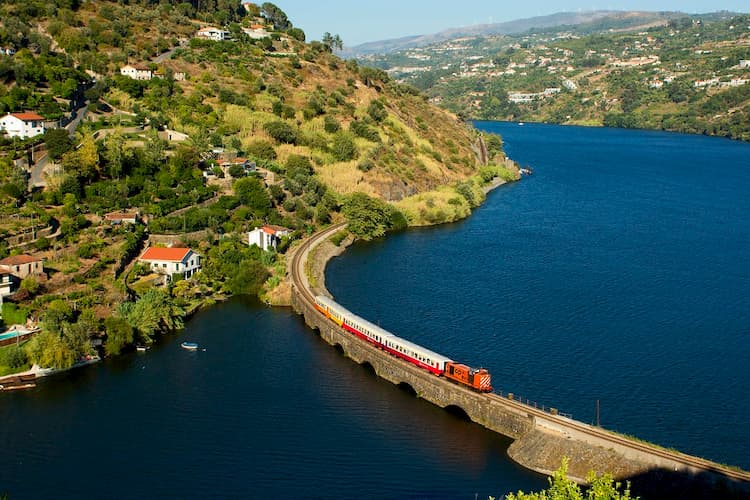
23,270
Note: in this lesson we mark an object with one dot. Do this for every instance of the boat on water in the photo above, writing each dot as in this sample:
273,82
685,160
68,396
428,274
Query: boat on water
191,346
142,348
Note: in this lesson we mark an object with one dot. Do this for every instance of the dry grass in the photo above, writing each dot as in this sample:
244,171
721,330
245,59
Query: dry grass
345,178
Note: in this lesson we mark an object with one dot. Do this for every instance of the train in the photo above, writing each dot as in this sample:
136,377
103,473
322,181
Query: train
478,379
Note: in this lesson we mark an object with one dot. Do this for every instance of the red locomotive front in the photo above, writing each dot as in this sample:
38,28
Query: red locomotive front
477,378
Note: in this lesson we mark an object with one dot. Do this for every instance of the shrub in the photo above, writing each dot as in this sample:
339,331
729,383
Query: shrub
344,148
361,129
263,150
377,111
331,125
281,132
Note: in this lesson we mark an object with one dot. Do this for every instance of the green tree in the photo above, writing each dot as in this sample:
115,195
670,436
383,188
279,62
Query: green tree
275,16
119,335
561,488
371,217
262,150
154,312
281,132
344,148
250,192
57,141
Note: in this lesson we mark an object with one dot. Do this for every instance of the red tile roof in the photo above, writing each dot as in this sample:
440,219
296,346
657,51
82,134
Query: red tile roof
28,117
271,229
15,260
174,254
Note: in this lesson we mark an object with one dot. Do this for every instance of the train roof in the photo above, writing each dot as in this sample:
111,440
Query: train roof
385,334
423,351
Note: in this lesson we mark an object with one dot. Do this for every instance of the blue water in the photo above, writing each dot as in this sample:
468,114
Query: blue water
619,271
264,409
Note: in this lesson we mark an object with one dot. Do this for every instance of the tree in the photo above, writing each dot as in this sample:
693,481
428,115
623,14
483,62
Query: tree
275,16
57,142
250,192
281,131
154,312
119,335
370,217
344,148
262,150
561,488
332,42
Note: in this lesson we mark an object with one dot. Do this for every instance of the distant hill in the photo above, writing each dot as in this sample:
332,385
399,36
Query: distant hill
583,21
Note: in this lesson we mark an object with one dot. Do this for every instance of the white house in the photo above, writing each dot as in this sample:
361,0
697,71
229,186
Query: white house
744,63
267,237
256,32
22,125
213,34
169,261
137,72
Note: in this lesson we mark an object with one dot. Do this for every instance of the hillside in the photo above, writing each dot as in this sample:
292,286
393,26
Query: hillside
189,125
690,74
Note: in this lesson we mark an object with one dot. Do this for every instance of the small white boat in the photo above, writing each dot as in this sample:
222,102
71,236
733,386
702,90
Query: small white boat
191,346
142,348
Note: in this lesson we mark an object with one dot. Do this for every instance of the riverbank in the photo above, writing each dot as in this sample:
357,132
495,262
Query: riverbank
27,379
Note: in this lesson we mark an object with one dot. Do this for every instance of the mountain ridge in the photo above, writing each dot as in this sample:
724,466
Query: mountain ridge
503,28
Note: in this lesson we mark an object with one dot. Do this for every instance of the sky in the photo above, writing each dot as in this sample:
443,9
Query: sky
358,21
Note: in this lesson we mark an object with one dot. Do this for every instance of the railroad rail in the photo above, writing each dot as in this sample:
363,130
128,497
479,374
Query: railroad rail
301,286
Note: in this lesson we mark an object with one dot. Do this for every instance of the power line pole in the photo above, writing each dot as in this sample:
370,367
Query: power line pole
598,423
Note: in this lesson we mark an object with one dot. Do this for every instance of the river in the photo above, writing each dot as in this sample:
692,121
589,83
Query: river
618,271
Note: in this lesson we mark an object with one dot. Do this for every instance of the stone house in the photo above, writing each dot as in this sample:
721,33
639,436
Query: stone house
122,217
22,266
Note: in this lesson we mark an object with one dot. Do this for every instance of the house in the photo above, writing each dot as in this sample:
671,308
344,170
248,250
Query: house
171,261
213,34
226,163
744,63
137,72
172,135
122,217
267,237
256,32
21,266
22,125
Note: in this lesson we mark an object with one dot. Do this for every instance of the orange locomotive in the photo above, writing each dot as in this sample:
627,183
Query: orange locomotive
476,378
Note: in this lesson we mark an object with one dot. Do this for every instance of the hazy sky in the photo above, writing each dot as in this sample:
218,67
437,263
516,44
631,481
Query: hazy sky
358,21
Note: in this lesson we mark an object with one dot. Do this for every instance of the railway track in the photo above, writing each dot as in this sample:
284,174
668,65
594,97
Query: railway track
299,278
300,283
683,459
